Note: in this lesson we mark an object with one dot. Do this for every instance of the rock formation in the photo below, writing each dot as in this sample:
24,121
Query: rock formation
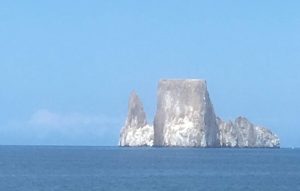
185,117
136,131
242,133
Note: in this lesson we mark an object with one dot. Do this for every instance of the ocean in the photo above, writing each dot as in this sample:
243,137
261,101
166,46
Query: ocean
60,168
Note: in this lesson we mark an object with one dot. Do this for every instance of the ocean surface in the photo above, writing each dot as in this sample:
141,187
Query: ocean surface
55,168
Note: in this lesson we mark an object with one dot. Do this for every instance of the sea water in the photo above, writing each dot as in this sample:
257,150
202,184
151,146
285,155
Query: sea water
56,168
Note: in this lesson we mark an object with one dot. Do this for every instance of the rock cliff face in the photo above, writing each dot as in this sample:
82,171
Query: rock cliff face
242,133
136,131
185,115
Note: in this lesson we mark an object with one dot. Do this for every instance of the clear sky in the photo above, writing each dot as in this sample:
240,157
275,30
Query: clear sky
68,67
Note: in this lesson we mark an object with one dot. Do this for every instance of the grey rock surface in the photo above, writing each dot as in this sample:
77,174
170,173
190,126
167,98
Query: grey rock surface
242,133
185,115
136,131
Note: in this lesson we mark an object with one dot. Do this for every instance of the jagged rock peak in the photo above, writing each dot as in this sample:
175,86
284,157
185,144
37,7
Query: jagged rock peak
136,131
243,133
242,120
185,115
136,116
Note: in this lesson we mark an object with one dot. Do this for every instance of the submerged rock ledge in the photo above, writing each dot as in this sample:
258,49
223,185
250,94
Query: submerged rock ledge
185,118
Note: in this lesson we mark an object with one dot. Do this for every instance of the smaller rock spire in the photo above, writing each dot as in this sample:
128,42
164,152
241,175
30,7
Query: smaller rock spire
136,116
136,132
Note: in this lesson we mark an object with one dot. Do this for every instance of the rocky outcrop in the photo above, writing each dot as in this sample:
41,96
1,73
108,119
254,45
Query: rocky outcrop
185,115
136,131
242,133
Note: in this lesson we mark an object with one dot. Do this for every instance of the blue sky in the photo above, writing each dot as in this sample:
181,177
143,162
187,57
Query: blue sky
68,67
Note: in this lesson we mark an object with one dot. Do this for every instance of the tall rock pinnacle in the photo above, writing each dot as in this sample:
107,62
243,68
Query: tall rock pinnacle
136,132
136,116
185,115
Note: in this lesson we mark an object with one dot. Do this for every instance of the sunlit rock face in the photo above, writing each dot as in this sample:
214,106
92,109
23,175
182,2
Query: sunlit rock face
136,131
185,115
242,133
